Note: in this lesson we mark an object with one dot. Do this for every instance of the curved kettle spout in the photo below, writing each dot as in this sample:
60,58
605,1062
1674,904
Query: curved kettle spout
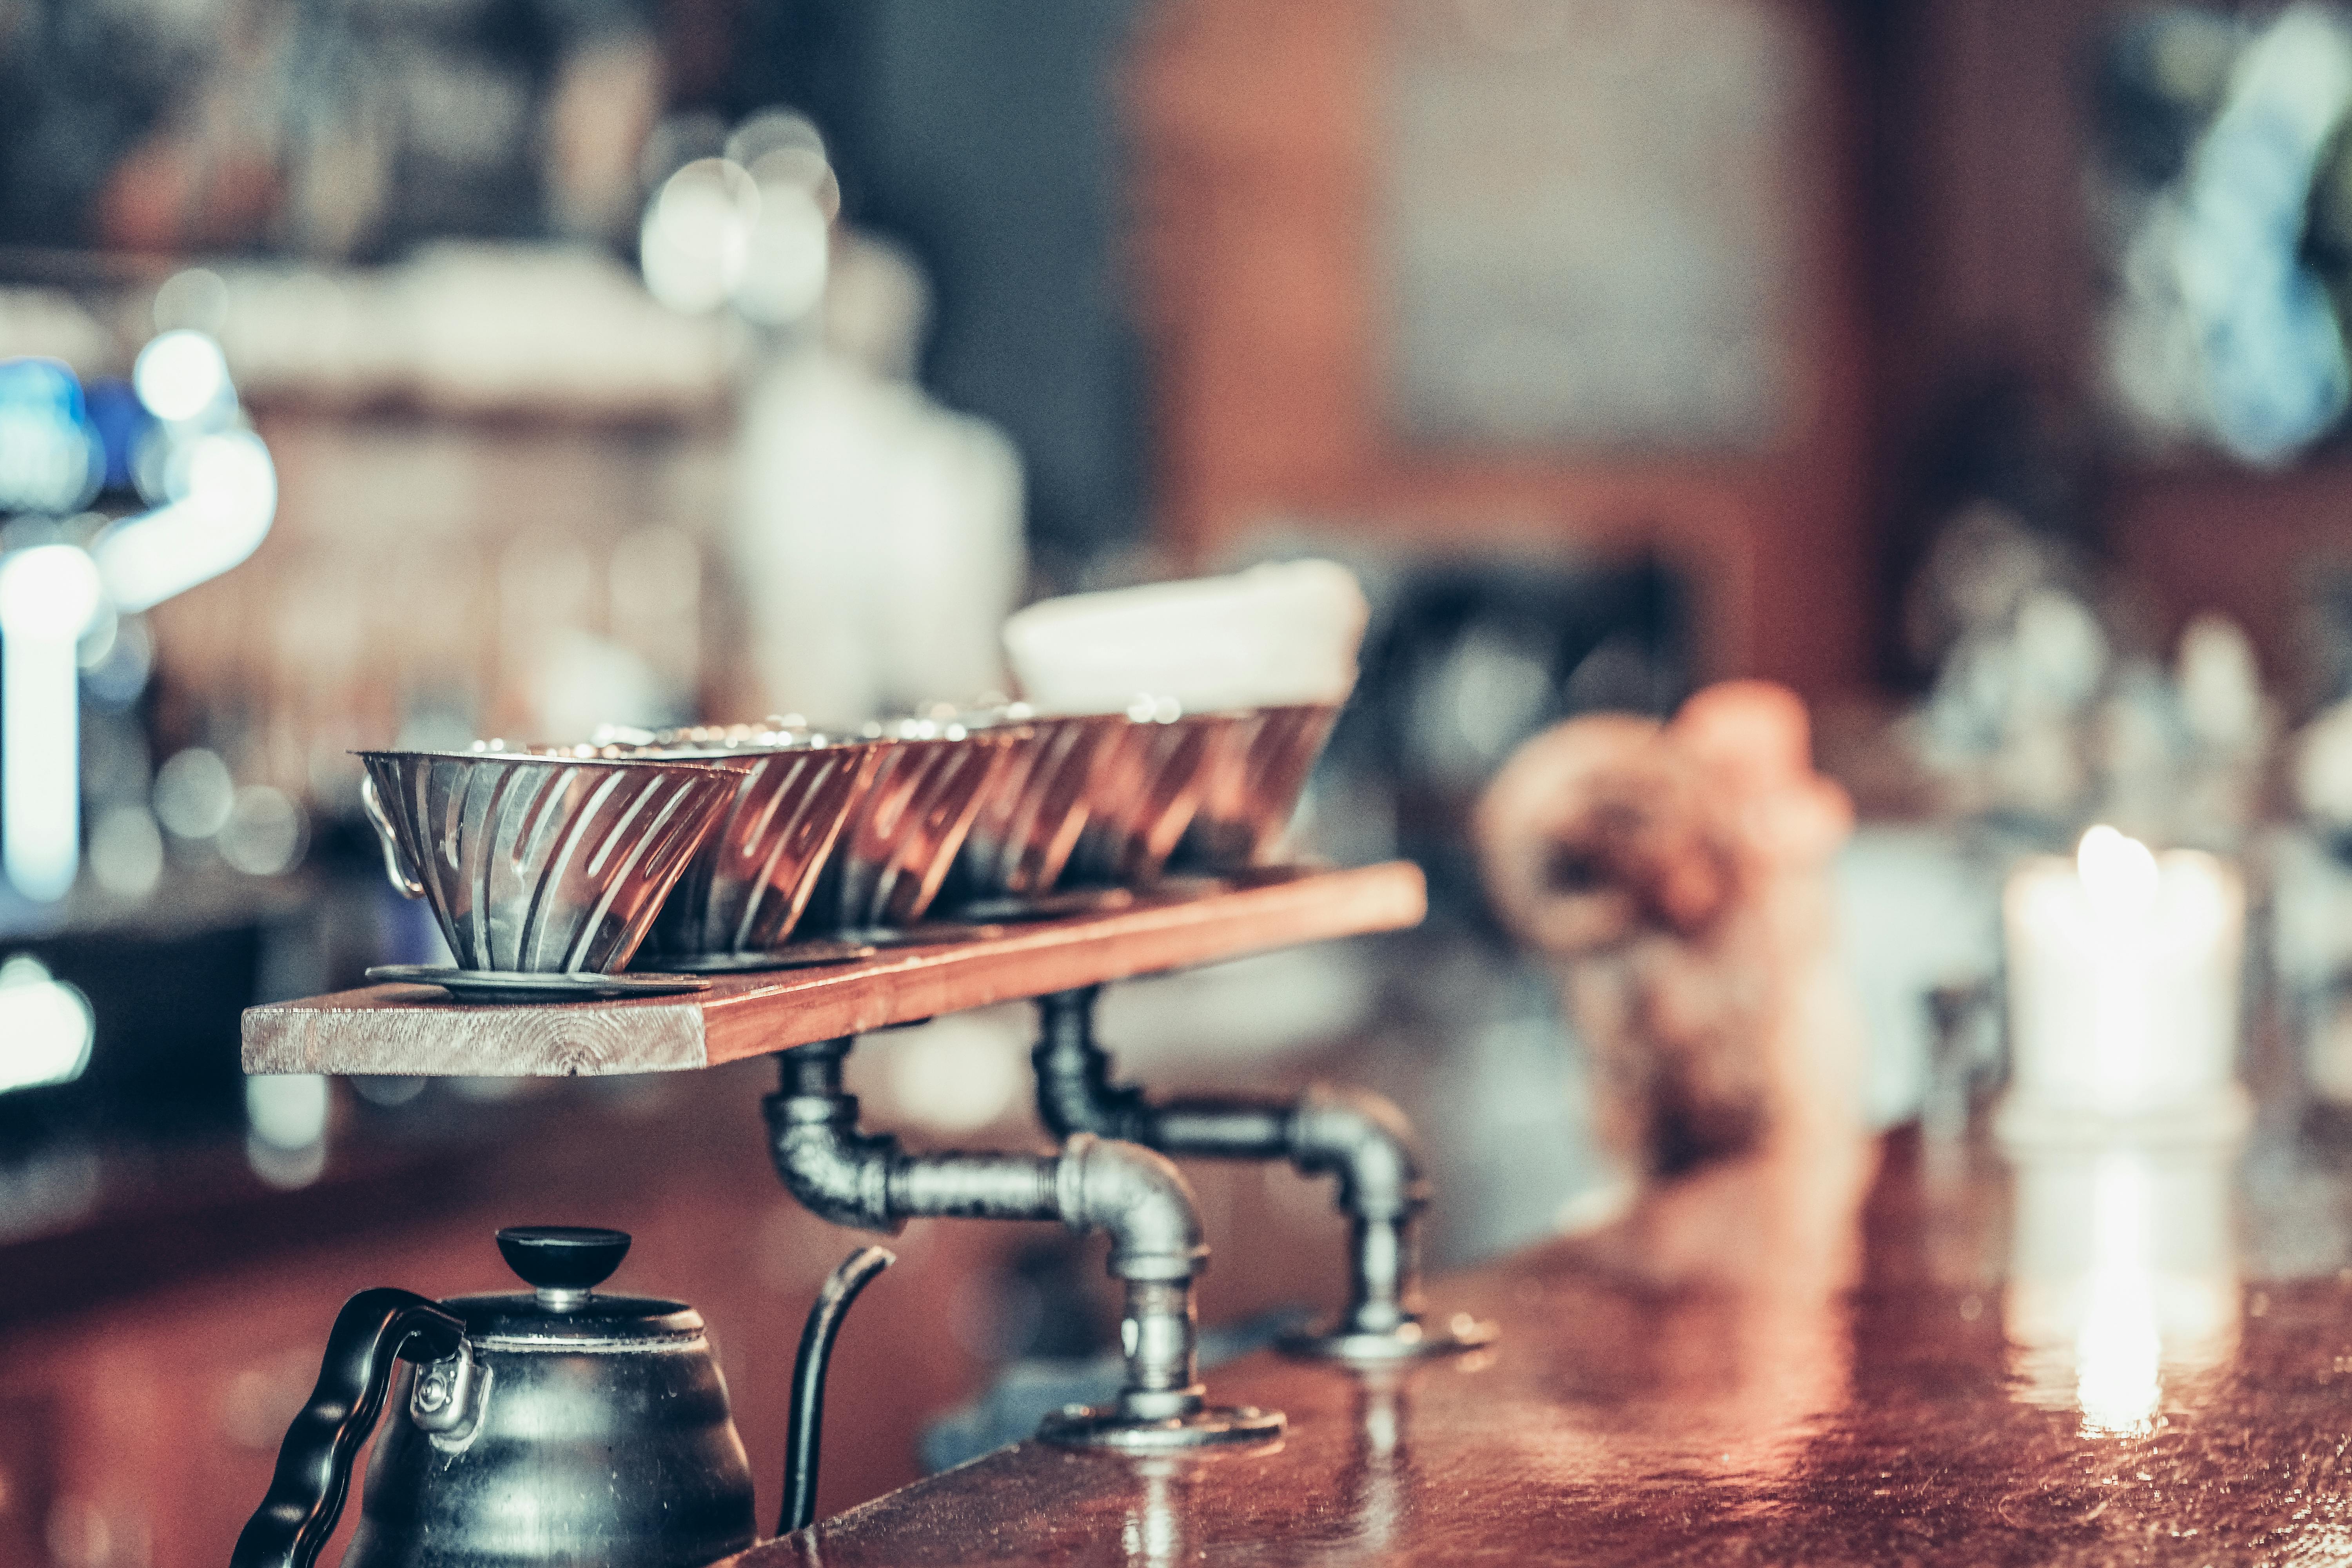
841,1287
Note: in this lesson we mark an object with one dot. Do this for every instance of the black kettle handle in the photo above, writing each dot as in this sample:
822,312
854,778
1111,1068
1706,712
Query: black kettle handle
314,1464
840,1289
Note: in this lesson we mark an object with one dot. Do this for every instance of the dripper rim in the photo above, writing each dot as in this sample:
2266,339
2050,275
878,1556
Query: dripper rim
715,764
655,752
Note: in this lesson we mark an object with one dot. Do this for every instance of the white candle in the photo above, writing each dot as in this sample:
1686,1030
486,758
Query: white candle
2124,990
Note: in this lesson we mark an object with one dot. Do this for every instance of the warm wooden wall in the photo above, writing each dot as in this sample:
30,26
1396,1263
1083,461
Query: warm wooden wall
1940,180
1254,131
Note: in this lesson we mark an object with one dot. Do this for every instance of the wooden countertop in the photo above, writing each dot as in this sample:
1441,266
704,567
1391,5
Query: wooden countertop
2088,1357
419,1029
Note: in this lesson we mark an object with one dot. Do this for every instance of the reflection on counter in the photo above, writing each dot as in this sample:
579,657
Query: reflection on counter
1600,1431
2124,1282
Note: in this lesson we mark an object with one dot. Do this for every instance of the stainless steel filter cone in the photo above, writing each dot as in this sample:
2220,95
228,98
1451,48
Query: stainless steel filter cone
1029,822
900,840
1144,796
543,864
744,890
1253,787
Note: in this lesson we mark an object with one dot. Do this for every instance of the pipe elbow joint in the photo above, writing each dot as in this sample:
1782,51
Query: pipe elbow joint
1075,1094
1069,1104
1140,1199
1363,1140
838,1173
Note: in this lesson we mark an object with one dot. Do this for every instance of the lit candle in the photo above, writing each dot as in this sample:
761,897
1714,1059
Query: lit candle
2123,991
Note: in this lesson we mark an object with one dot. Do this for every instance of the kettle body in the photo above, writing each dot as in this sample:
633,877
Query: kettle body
552,1427
566,1442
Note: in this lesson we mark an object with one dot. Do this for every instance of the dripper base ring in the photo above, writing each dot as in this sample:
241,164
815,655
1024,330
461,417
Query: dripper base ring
495,986
1017,908
923,933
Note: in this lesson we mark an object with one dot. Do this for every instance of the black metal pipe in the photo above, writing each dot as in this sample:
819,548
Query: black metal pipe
840,1173
1075,1094
1356,1136
806,1425
1139,1198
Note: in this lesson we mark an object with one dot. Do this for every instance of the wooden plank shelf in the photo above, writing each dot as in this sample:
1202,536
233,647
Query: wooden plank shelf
420,1029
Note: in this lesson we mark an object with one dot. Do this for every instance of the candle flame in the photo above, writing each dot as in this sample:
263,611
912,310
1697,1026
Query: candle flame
2118,872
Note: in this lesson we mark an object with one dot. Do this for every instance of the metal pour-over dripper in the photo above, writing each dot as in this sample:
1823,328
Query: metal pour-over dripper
1145,793
546,867
901,839
1253,787
1030,820
744,890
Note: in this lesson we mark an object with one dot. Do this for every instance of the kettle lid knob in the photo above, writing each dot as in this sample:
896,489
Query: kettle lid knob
562,1262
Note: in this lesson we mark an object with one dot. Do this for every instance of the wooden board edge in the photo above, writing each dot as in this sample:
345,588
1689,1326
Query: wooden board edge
344,1034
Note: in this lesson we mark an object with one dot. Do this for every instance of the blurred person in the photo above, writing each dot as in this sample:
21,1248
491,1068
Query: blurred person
877,536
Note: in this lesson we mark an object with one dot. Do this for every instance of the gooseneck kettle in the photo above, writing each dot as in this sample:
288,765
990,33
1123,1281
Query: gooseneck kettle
552,1427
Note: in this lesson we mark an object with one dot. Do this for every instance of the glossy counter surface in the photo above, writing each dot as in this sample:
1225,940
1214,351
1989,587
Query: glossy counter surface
1924,1356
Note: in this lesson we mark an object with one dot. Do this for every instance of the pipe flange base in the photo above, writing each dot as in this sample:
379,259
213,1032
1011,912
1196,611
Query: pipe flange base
1107,1426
